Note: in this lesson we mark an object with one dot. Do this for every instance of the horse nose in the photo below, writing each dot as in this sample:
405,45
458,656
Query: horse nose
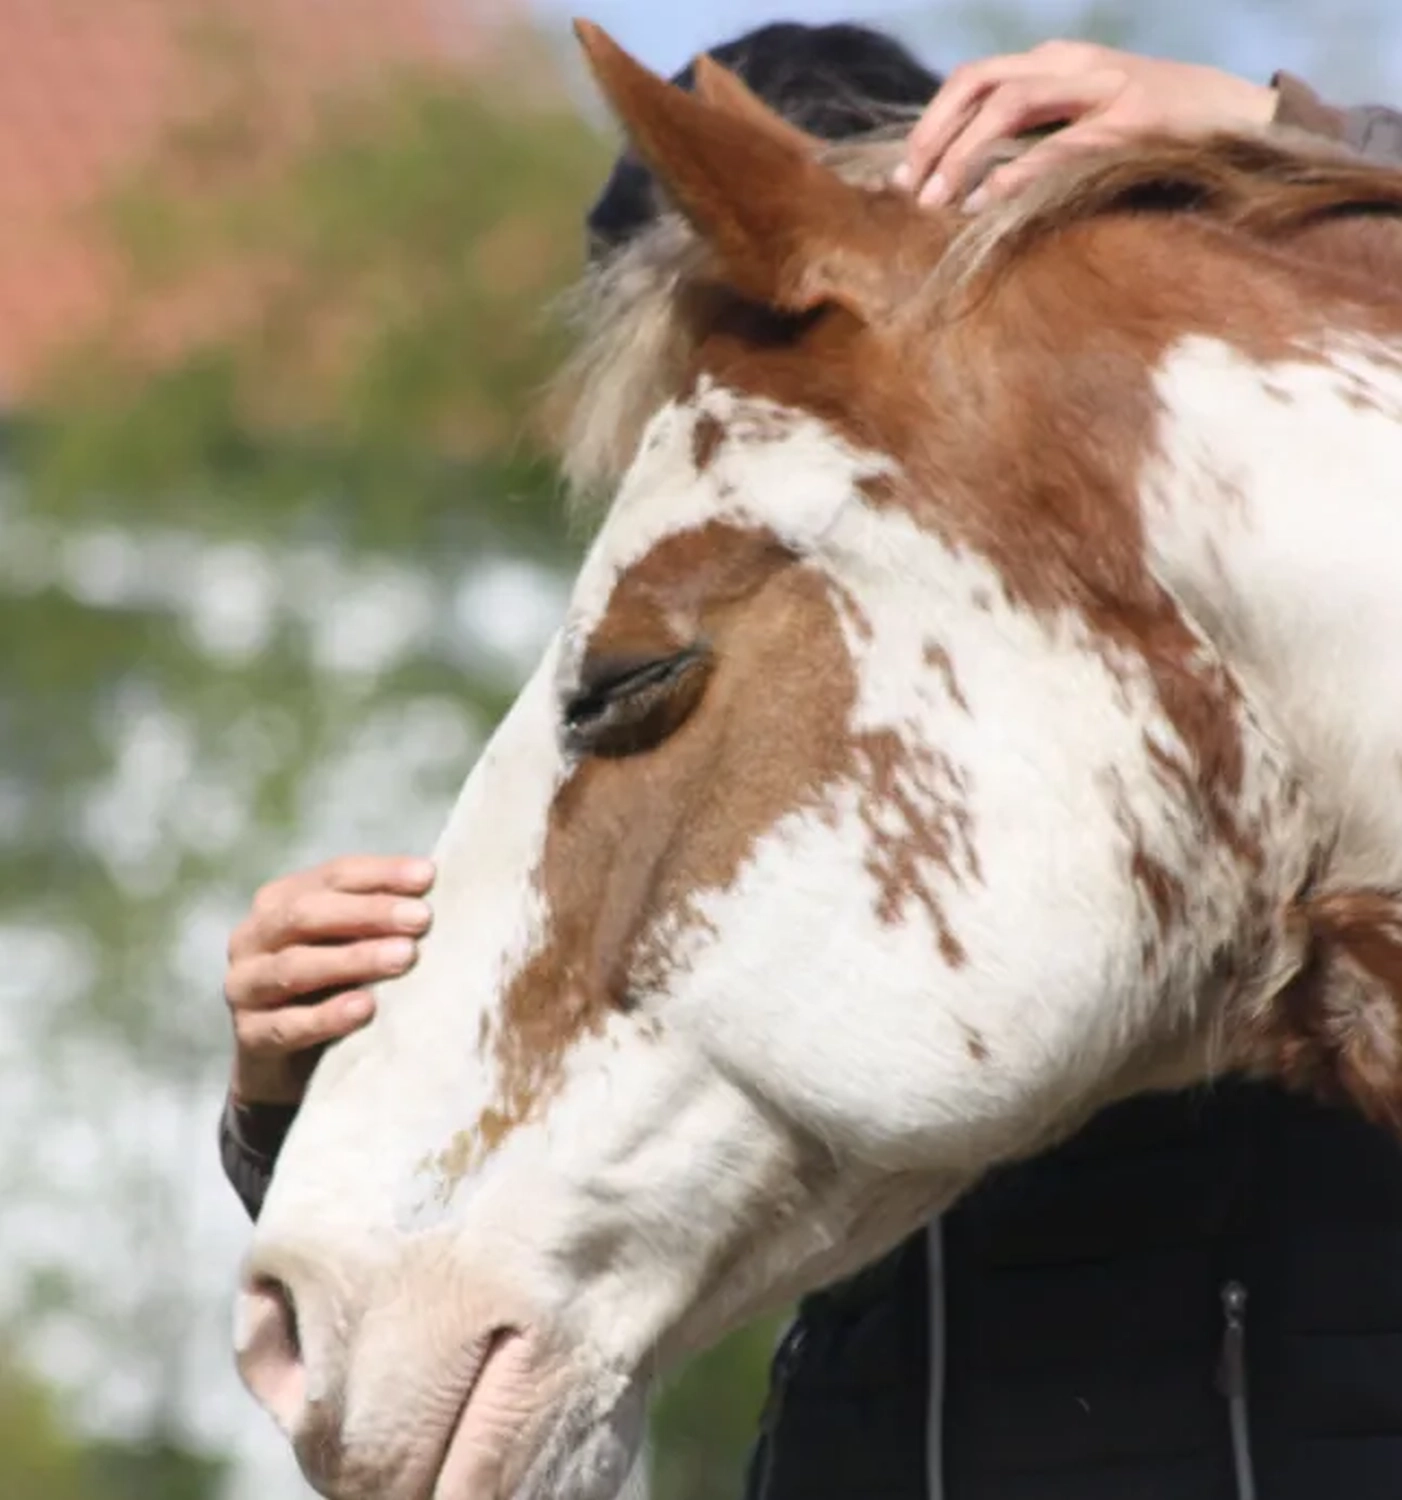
270,1356
373,1362
292,1338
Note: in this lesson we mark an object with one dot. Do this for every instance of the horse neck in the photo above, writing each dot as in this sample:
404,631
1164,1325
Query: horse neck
1272,514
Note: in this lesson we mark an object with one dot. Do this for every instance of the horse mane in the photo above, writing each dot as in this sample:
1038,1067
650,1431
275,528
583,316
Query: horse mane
636,338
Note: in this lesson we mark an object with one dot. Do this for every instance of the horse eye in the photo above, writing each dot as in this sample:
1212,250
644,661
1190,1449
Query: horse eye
624,707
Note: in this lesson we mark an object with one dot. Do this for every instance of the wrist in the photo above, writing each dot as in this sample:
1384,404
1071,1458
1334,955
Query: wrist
260,1083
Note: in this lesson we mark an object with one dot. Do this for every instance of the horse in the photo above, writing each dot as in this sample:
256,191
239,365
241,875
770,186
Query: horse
975,707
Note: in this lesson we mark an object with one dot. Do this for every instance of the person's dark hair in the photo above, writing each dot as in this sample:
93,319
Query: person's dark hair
835,82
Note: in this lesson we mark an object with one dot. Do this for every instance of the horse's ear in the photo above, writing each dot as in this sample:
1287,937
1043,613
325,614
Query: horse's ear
718,86
787,230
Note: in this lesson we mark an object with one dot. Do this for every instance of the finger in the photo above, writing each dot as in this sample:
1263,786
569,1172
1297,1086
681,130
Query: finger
300,1027
1006,113
1066,145
355,874
367,873
955,105
324,916
279,979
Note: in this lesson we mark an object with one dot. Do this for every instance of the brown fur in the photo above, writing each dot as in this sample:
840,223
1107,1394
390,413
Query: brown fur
1005,364
616,866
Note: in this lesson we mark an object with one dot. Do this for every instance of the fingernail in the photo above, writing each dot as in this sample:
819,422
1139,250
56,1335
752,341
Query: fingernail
358,1007
976,200
397,953
903,177
412,914
935,193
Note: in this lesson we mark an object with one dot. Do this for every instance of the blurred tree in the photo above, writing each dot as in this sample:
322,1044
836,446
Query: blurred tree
274,540
707,1418
274,548
41,1459
38,1461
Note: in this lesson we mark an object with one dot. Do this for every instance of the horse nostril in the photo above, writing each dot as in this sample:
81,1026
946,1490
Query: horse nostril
270,1351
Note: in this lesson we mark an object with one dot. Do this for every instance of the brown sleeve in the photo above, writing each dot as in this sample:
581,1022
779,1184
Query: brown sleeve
250,1137
1371,129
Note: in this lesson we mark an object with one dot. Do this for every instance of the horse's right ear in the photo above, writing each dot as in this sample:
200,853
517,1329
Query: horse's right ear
787,230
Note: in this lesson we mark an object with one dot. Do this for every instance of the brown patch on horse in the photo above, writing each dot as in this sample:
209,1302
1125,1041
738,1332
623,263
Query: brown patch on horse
914,804
706,439
1056,512
939,659
774,629
1337,1030
1164,895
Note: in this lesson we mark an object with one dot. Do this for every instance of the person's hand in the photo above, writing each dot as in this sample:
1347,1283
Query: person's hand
1100,97
299,961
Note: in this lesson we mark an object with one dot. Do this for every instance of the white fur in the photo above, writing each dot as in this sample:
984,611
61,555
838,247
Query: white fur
1274,511
799,1091
785,474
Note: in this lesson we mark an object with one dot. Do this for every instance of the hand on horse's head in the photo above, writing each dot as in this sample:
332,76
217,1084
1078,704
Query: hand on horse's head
1099,96
300,960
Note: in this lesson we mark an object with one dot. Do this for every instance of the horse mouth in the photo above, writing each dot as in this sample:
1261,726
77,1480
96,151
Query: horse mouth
477,1447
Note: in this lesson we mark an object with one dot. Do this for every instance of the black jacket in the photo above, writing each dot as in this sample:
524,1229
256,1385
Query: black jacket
1065,1333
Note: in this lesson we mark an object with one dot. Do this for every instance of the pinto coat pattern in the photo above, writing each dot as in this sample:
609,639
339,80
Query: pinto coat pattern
955,729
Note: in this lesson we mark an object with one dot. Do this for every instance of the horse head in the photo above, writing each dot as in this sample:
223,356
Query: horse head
875,817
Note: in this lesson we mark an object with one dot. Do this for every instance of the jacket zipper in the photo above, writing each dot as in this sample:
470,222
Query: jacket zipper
934,1420
1231,1381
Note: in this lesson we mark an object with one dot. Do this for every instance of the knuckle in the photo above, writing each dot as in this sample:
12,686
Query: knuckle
1011,101
282,975
961,77
250,1036
1069,52
300,912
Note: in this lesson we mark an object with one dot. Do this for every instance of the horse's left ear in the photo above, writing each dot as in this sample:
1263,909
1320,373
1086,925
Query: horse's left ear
788,231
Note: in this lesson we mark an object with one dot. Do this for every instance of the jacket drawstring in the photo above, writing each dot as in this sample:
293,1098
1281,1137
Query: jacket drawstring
1231,1381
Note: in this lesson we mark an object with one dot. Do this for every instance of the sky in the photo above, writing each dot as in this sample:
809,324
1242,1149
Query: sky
1349,48
665,35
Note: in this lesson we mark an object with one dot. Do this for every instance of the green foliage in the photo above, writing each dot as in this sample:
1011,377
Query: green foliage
246,611
41,1459
368,334
37,1460
707,1419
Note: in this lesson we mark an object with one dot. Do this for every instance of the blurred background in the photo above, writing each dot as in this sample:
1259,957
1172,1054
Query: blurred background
275,550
